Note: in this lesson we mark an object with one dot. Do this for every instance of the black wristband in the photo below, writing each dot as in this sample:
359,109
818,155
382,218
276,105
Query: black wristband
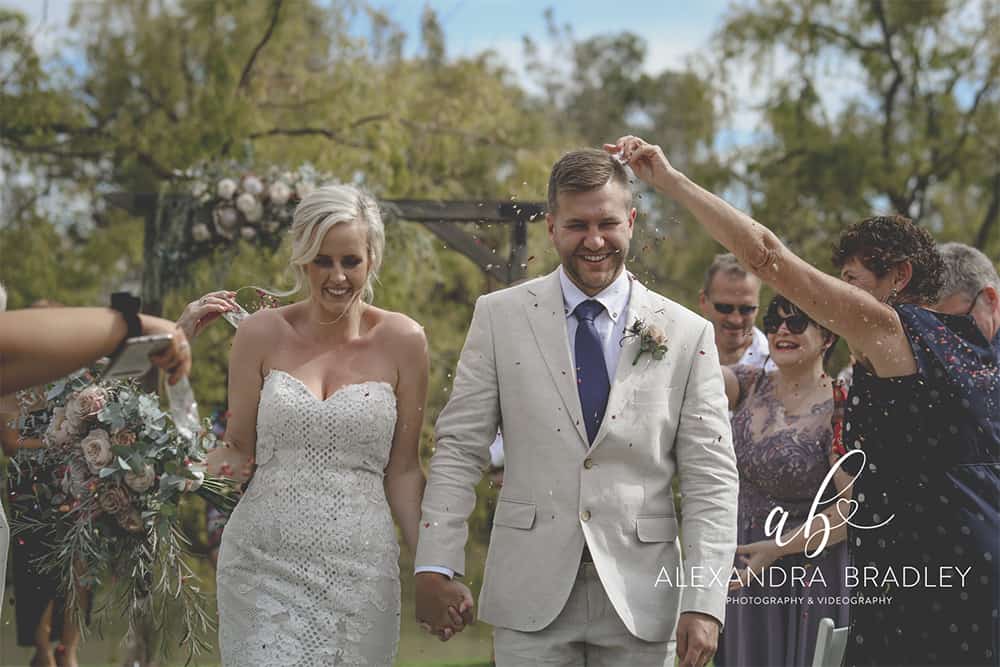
128,305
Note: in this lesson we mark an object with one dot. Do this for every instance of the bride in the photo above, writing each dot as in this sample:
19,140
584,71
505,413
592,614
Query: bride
327,395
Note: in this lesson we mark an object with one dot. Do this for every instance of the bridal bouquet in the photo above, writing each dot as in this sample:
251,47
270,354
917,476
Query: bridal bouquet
114,471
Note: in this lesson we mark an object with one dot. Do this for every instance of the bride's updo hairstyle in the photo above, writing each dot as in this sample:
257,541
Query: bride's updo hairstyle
325,207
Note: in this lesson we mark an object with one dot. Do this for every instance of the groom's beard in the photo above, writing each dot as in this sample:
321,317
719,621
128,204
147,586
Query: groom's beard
595,277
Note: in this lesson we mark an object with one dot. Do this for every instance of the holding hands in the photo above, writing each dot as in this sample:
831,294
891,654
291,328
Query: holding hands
697,639
444,606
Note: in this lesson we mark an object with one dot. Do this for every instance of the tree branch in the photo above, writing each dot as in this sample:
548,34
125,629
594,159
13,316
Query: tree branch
158,104
480,139
245,77
992,215
154,166
847,38
53,150
303,132
332,135
889,96
947,163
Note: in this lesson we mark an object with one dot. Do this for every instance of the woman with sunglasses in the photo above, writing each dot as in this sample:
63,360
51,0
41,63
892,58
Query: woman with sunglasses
924,411
783,438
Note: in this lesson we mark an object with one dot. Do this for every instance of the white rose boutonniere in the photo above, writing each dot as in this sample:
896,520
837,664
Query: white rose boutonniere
651,340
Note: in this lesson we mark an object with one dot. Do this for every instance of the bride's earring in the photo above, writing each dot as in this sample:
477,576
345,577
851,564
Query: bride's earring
893,295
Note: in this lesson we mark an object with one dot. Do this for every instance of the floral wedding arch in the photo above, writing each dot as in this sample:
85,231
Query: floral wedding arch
213,207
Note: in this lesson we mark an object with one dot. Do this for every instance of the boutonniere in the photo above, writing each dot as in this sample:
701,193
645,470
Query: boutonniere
651,339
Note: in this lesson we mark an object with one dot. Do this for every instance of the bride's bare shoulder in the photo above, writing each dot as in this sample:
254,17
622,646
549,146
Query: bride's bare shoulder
396,328
267,324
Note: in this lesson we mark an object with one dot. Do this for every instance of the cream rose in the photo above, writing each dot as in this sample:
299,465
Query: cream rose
656,334
226,188
246,203
252,184
96,448
279,193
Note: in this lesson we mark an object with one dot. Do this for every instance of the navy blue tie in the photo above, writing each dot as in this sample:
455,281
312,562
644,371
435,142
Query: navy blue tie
591,372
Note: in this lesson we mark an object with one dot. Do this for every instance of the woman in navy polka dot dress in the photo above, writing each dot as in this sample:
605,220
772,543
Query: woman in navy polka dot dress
924,409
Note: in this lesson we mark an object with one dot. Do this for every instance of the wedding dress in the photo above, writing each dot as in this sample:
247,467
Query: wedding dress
308,570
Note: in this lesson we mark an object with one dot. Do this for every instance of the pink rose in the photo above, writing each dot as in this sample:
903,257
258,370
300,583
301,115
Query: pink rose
84,404
97,449
92,400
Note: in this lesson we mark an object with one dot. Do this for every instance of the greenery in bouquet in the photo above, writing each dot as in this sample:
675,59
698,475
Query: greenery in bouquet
116,471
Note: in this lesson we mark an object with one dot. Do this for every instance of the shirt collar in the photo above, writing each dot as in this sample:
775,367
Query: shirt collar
614,297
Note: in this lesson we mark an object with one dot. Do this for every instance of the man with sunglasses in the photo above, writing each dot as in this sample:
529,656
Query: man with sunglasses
730,300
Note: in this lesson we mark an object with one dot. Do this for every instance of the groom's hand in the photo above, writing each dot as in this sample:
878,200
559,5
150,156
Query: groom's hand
697,639
444,606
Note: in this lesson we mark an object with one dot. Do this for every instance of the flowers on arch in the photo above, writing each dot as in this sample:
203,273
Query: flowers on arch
246,203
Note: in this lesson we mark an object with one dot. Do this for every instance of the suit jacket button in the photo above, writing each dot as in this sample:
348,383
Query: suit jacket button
585,515
588,463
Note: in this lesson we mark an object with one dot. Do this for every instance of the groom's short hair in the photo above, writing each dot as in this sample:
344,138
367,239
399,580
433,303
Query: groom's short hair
584,170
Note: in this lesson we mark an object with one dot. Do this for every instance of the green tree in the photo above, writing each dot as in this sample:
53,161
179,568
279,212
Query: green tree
917,135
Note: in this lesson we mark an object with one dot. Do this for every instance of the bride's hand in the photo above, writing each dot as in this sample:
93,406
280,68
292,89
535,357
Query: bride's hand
201,312
226,461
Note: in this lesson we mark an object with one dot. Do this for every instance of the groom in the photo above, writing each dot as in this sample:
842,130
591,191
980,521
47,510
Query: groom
595,428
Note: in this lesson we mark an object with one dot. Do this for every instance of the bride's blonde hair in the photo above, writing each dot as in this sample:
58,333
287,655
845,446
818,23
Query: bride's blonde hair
319,211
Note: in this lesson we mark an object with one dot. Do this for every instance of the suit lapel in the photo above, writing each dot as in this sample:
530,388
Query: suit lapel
626,373
547,317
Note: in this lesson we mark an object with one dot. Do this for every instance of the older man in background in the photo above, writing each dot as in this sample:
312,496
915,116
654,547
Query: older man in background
971,287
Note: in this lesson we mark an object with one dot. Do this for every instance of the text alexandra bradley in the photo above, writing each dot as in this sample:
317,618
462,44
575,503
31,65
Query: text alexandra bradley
907,576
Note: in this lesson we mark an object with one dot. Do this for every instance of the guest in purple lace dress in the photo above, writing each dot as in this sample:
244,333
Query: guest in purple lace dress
783,439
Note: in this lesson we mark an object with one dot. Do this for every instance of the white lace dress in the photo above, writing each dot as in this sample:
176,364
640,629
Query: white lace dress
308,569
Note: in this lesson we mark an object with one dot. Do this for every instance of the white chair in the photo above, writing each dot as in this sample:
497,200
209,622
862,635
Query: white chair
831,642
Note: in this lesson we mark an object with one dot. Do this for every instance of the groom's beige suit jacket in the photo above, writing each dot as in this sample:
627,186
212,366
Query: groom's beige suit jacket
665,418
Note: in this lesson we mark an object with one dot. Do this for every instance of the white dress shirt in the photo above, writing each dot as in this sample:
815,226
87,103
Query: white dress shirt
756,354
610,325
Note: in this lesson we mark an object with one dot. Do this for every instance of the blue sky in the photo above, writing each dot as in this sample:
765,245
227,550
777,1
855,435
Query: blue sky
673,29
